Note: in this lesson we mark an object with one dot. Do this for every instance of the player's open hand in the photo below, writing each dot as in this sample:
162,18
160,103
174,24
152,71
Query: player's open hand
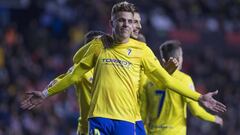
171,65
209,102
32,100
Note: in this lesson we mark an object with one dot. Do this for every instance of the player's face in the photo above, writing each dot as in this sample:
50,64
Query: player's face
136,25
122,25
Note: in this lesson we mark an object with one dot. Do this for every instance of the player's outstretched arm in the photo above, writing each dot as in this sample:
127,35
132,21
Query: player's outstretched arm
87,54
35,98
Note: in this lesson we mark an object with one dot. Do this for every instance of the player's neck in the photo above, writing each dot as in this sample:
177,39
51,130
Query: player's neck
120,40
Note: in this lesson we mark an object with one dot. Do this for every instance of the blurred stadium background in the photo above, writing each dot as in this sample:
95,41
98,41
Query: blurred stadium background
39,37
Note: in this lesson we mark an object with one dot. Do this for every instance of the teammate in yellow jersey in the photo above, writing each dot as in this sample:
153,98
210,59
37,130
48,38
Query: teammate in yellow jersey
82,86
139,125
116,77
165,110
83,90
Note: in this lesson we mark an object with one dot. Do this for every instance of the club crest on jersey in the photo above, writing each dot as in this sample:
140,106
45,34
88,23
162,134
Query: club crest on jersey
129,51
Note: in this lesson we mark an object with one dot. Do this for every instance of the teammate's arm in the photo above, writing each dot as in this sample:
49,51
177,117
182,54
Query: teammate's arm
201,113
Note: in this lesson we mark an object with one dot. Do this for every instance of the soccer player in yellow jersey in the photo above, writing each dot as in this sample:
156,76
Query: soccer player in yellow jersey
165,110
83,86
83,90
113,108
139,125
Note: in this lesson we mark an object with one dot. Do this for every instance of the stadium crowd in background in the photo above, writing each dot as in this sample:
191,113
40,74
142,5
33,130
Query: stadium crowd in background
38,40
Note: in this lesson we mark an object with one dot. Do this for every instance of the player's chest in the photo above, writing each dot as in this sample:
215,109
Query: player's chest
124,57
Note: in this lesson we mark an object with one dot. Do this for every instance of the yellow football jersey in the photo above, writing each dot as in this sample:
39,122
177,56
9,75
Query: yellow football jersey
117,76
164,112
116,81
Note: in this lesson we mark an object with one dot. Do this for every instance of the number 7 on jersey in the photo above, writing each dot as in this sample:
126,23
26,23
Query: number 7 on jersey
160,93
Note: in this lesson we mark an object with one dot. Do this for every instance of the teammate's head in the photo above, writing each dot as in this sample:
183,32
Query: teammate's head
172,48
91,35
136,24
122,20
